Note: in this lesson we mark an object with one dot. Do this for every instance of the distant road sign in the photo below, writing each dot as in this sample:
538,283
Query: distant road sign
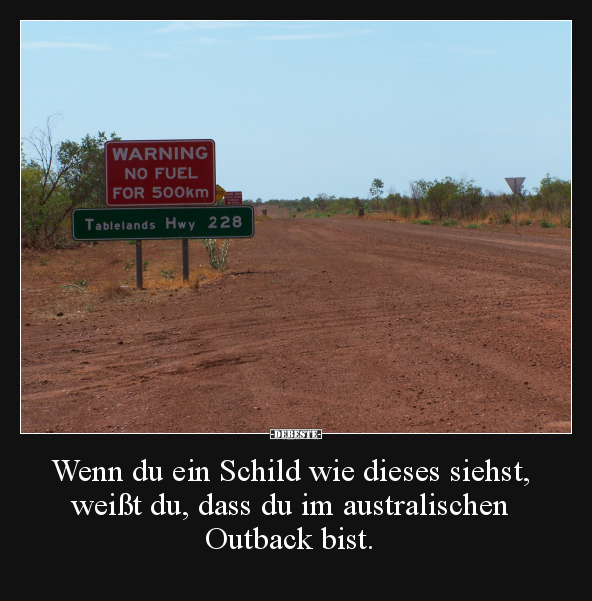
148,223
160,172
220,192
233,198
515,183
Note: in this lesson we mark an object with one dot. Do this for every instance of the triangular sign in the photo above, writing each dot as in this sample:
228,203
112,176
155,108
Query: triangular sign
515,183
519,181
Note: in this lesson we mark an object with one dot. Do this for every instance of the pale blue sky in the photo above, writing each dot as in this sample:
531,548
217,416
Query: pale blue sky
297,108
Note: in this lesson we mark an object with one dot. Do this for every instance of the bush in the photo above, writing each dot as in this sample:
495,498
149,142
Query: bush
219,255
42,214
553,196
57,180
449,222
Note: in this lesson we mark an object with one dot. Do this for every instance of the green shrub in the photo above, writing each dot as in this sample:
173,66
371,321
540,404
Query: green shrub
42,214
472,226
58,179
449,222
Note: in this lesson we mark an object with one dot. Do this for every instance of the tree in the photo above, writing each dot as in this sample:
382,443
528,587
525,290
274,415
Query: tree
440,197
85,178
322,199
56,180
43,201
553,195
305,203
46,159
376,190
470,198
418,192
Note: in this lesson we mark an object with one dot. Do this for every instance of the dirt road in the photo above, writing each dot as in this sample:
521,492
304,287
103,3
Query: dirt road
343,324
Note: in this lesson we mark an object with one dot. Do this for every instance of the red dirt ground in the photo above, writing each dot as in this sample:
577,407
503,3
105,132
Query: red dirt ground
344,324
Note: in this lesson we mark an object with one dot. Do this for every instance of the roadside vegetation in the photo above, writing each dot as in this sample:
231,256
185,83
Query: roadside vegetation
448,202
57,178
82,282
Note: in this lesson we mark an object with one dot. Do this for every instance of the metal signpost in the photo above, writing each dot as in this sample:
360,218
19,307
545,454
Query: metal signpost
162,189
515,184
159,223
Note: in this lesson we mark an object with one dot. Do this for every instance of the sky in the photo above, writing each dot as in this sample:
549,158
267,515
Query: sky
300,108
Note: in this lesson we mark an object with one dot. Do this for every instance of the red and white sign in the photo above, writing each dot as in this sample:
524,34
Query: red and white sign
233,198
160,172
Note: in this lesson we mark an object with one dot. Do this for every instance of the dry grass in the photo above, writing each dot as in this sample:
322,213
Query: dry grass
109,291
83,280
198,276
524,217
383,216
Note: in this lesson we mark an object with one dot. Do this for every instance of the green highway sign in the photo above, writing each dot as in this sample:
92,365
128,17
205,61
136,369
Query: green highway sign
157,223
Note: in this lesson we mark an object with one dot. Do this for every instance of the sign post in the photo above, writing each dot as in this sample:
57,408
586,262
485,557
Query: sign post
160,172
185,258
139,266
515,184
161,189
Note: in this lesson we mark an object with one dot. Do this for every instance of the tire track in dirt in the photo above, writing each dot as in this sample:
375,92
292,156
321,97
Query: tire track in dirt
346,325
